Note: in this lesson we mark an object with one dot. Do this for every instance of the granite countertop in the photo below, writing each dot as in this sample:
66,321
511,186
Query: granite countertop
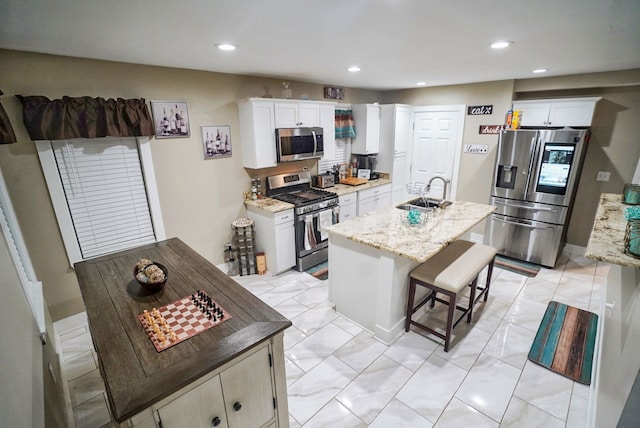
386,229
276,206
606,242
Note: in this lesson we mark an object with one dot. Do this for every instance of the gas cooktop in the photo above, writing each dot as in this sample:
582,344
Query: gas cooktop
305,196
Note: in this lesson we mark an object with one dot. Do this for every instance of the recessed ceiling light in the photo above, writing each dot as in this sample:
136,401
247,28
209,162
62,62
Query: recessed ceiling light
421,84
501,45
540,70
226,47
353,69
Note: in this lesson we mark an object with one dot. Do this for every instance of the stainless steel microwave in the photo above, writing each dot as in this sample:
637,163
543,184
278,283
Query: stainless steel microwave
293,144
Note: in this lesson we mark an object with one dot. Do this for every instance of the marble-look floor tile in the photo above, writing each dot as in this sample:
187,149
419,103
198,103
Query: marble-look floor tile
292,371
459,414
521,414
361,351
545,389
318,346
511,344
489,386
316,388
539,289
314,295
466,345
411,350
290,308
77,345
347,325
397,414
526,313
79,365
367,395
86,387
431,387
335,414
578,406
293,336
314,319
281,293
506,286
92,413
73,333
488,315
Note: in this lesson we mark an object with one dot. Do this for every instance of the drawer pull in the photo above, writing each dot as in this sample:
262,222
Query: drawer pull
215,421
237,406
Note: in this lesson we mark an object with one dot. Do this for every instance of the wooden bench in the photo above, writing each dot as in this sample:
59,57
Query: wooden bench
449,272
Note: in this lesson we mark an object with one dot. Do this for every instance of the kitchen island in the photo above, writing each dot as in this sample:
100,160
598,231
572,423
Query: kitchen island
230,374
616,362
371,256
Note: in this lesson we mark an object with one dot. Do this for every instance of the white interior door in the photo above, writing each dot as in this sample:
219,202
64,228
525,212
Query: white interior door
437,142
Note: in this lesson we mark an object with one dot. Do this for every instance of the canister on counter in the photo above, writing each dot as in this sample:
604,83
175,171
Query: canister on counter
631,194
261,263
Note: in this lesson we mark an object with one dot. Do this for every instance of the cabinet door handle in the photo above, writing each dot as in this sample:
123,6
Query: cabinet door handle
215,421
237,406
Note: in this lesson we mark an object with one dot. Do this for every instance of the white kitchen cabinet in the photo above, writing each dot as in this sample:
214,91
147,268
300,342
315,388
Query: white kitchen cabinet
396,132
367,123
296,114
240,395
275,235
257,134
558,112
374,198
348,206
328,125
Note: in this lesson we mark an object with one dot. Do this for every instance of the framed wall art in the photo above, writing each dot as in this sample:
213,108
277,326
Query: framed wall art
216,141
333,93
171,119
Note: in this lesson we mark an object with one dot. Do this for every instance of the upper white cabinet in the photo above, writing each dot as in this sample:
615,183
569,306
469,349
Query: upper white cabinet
257,134
259,118
396,133
367,121
296,114
558,112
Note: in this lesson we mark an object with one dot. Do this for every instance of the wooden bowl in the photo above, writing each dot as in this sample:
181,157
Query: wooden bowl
152,286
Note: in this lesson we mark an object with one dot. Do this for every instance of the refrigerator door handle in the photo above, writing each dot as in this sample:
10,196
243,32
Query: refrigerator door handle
510,204
532,157
517,223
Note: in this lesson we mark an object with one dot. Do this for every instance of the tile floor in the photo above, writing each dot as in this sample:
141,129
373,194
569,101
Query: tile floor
339,375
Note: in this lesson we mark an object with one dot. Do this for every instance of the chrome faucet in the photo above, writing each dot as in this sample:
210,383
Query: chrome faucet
445,183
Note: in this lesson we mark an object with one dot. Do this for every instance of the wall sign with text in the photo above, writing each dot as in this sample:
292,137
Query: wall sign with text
479,110
490,129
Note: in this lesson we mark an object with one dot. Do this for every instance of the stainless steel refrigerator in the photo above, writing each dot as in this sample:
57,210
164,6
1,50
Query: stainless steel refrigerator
534,185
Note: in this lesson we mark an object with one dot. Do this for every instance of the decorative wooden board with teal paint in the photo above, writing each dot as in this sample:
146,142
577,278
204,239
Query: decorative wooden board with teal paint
565,341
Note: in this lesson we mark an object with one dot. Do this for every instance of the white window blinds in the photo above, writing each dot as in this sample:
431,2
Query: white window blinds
105,192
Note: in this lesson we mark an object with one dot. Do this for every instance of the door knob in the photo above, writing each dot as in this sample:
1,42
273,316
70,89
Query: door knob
215,421
237,406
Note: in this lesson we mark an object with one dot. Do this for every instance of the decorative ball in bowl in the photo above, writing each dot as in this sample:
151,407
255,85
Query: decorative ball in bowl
152,276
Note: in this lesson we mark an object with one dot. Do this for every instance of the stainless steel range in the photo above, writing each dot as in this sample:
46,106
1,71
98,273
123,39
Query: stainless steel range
314,210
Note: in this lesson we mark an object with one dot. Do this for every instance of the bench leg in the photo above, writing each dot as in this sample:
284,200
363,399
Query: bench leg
472,298
489,273
412,295
447,333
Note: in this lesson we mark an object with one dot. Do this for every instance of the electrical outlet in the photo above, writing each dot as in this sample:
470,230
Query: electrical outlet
603,176
476,148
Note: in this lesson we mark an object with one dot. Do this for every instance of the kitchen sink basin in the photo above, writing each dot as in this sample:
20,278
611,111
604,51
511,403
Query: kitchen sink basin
423,204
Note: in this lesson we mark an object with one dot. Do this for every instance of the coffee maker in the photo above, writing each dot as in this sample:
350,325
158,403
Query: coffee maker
368,162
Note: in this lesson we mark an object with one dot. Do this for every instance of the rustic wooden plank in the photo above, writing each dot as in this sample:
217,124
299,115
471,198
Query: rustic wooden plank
135,374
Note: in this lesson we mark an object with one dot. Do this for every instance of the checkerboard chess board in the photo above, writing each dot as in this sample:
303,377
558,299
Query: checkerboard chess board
182,319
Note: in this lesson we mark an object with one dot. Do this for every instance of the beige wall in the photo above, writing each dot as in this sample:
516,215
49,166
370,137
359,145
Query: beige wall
199,198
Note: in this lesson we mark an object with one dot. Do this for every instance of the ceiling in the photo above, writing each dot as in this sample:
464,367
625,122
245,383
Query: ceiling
396,43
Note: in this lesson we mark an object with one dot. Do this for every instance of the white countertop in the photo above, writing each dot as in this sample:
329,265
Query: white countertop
606,242
386,229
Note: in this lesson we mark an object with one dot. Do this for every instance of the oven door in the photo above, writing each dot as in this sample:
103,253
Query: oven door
312,240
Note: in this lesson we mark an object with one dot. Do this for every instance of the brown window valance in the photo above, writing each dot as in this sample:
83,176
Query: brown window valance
7,136
85,117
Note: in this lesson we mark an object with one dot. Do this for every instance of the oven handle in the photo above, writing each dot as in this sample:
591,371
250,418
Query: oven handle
515,223
315,142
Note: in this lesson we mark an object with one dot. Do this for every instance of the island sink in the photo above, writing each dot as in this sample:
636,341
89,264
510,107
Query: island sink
423,204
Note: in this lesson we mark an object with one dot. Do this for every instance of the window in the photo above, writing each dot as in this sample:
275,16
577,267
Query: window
103,193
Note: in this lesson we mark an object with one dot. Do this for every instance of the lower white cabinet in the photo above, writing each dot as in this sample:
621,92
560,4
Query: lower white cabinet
373,198
275,235
348,206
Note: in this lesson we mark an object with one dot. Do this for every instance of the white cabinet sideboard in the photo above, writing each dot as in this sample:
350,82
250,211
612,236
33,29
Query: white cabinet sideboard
367,123
275,235
373,198
348,206
558,112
